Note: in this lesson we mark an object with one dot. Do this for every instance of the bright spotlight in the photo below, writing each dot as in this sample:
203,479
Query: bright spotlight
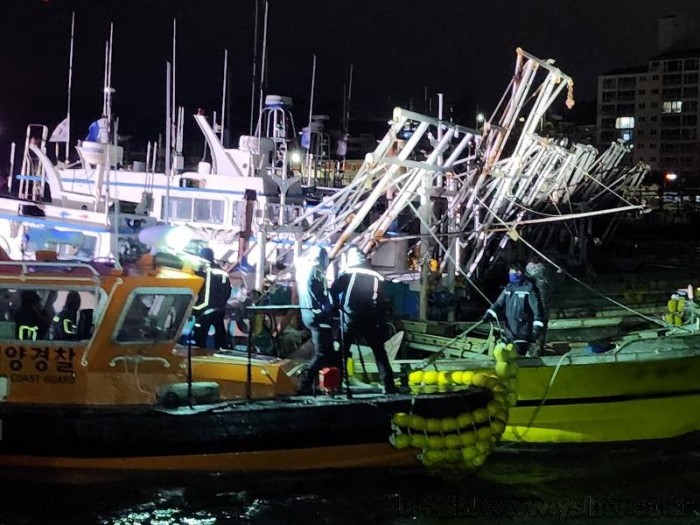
670,177
165,236
296,157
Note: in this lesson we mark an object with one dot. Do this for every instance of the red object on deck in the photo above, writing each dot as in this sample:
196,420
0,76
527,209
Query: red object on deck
329,380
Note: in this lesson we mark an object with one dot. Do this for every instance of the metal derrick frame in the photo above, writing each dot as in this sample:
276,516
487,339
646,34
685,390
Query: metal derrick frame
494,181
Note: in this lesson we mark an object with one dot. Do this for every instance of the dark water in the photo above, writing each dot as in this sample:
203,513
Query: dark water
657,483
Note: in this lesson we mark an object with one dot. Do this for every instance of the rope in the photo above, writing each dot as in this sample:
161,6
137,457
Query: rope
516,236
430,360
544,398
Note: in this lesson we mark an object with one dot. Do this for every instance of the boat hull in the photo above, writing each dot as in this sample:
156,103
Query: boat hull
288,434
606,401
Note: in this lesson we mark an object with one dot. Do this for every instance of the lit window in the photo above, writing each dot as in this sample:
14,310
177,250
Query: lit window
674,106
624,123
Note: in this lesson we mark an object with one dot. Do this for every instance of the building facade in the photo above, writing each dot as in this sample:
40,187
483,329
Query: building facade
654,108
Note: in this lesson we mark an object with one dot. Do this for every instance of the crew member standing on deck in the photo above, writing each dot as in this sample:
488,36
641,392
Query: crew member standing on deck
521,307
359,294
316,313
211,305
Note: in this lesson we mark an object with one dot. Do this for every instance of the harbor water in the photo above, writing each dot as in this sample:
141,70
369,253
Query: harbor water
650,483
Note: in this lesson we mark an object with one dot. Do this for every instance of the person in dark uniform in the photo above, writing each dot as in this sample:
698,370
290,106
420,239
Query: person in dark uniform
359,294
520,305
316,313
65,324
211,304
31,323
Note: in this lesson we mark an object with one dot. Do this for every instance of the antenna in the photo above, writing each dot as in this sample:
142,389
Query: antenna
347,108
223,97
173,107
311,112
255,65
70,83
168,138
262,67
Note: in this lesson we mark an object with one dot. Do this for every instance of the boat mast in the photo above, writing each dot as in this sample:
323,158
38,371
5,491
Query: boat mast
311,112
172,100
346,114
70,82
168,138
255,66
107,112
262,67
223,97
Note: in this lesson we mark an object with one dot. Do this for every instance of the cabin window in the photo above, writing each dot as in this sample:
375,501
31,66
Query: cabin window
208,210
153,314
180,209
47,313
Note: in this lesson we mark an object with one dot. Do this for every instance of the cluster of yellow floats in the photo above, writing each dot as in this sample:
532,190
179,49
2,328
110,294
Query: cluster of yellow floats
462,441
676,311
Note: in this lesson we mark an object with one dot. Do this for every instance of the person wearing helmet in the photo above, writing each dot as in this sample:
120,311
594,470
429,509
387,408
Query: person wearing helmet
521,307
316,313
359,294
211,304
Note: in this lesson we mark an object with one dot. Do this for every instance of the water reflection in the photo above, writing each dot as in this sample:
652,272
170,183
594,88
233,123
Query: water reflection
626,484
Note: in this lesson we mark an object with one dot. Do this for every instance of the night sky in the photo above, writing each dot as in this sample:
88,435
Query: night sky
463,48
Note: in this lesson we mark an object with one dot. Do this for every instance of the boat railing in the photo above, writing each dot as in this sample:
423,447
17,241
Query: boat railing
136,359
30,267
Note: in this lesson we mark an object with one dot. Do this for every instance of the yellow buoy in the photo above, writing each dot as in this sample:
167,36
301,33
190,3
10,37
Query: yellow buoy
672,305
467,438
415,377
449,424
480,379
491,382
457,377
401,419
433,425
499,353
497,427
418,440
481,415
503,369
453,456
469,453
417,422
444,378
500,397
501,415
467,377
436,442
479,460
400,441
432,457
499,387
493,407
681,305
350,367
430,377
483,433
465,420
483,446
453,441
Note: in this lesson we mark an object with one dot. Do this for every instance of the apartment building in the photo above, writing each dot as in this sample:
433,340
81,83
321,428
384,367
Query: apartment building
654,108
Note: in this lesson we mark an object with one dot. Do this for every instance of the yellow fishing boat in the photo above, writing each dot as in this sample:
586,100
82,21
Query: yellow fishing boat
644,386
92,377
